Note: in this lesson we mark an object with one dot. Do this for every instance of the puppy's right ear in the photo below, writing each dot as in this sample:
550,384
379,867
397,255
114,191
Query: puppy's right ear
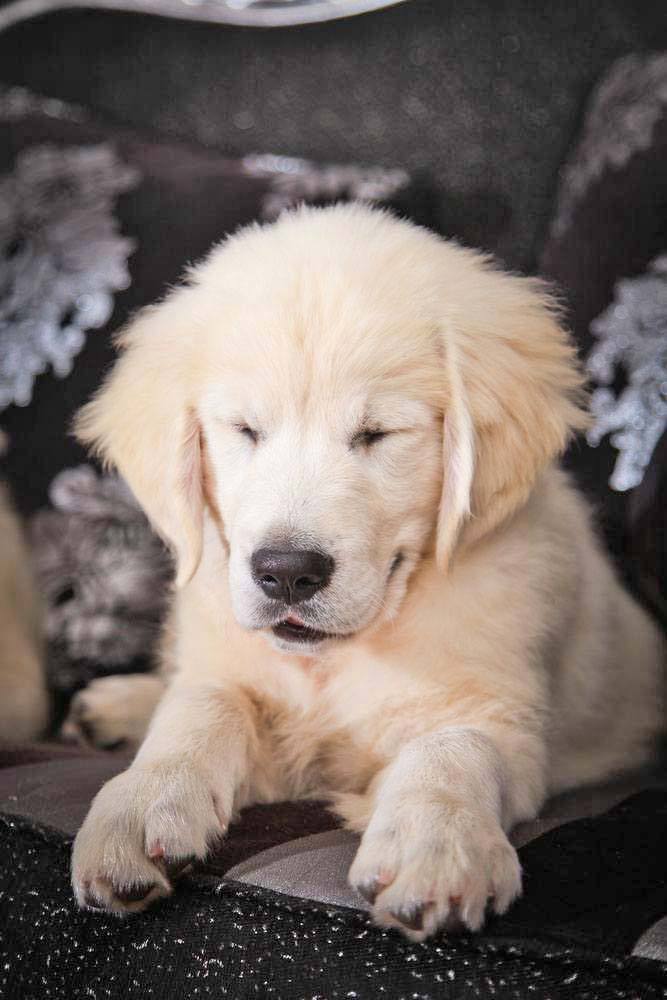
142,422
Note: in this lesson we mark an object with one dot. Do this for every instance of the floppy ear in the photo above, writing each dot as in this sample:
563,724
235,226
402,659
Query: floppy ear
515,398
143,423
458,461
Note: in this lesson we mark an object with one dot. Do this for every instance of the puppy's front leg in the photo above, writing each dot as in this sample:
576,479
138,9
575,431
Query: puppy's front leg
149,823
435,852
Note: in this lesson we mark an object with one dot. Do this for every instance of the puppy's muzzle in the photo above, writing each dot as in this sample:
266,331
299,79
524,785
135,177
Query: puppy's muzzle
291,575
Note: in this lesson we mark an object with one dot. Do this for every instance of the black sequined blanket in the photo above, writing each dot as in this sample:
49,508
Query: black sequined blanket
591,888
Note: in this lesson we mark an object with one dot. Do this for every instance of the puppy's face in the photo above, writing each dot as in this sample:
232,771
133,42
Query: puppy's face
343,390
325,470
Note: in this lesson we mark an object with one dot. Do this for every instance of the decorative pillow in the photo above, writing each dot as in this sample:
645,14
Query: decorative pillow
607,251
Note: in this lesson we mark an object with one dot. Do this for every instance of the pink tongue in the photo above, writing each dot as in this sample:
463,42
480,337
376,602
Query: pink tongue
295,620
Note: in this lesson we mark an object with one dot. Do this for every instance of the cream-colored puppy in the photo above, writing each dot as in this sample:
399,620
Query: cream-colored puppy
24,705
387,594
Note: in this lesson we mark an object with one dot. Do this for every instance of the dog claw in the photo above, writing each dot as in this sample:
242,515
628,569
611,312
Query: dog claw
133,893
372,888
453,922
413,918
369,891
179,866
91,903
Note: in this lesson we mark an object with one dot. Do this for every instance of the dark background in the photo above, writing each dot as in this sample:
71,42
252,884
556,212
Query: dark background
486,97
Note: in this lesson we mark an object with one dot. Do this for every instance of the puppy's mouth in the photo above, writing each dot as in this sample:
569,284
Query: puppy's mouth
294,629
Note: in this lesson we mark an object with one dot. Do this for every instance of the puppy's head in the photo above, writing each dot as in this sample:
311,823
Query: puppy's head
341,394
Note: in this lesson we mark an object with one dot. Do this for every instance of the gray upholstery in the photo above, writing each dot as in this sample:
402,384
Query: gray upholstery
58,792
312,867
653,942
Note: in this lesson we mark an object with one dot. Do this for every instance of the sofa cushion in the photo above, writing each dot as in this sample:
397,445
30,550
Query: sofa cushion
607,254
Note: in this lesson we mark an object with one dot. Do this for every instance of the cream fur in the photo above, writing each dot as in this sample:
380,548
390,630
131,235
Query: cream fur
24,705
501,660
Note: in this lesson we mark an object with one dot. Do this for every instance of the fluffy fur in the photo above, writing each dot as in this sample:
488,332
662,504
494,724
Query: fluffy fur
24,707
481,653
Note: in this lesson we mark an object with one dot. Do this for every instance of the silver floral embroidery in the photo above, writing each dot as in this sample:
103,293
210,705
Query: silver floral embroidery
619,123
632,333
294,180
61,258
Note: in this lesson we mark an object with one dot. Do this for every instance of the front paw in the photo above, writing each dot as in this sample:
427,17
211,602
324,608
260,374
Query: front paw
145,828
112,711
435,867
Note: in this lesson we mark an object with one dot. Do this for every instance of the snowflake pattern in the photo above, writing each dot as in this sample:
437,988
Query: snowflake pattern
632,334
61,259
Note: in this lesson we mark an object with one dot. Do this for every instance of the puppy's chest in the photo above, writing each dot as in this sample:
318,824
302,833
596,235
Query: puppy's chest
331,732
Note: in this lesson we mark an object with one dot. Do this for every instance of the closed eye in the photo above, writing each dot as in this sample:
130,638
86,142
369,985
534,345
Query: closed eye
368,437
248,432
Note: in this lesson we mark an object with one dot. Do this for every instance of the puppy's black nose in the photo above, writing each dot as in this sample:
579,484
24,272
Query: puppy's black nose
291,575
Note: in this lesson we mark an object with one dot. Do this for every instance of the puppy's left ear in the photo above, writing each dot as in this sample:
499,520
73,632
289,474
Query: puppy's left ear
515,396
142,422
458,460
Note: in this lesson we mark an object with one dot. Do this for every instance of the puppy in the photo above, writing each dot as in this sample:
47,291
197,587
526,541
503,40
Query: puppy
387,594
24,704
